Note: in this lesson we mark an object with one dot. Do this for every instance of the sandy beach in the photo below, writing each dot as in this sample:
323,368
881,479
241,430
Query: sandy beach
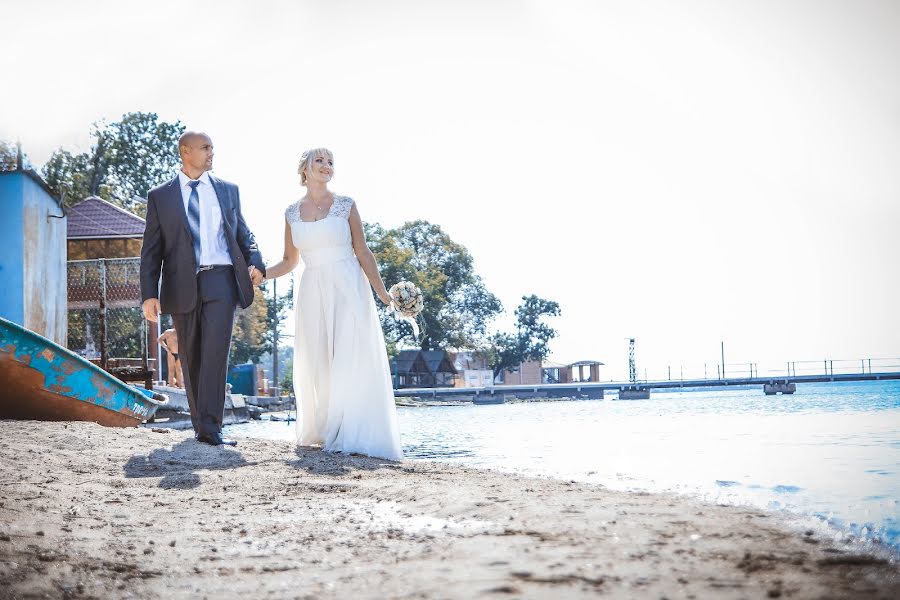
94,512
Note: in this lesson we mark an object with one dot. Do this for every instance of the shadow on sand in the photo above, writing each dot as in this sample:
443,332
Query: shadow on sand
177,465
318,462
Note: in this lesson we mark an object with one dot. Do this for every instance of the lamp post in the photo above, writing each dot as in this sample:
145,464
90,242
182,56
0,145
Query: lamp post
275,338
723,359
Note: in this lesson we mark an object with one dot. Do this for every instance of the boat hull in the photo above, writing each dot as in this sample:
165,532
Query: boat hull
40,380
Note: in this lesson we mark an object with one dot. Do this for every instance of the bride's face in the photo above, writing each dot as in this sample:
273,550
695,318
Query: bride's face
321,169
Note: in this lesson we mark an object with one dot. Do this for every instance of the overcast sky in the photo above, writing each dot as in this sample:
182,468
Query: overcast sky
678,172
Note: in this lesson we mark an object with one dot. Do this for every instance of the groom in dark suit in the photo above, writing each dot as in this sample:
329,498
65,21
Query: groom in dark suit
196,237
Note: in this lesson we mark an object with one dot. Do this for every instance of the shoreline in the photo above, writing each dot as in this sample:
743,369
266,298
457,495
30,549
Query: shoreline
88,511
860,529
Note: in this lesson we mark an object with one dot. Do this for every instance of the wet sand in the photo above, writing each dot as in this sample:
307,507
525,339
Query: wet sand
94,512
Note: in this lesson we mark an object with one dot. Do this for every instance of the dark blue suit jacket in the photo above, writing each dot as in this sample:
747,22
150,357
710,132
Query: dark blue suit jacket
168,250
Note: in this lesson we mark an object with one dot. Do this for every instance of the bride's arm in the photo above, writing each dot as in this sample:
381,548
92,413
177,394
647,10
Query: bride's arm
291,256
365,257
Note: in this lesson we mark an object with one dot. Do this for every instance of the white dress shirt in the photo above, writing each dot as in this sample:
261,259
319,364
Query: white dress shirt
213,248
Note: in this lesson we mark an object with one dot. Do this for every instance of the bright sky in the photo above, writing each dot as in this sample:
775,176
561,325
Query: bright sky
679,172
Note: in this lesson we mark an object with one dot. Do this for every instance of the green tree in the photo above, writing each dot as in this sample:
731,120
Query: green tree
458,306
276,310
531,341
142,153
248,337
254,326
126,159
286,369
7,156
69,176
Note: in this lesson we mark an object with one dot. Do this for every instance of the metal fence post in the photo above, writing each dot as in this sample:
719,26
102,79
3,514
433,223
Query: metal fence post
104,356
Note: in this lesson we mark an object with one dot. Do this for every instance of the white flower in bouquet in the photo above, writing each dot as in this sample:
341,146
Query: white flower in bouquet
407,301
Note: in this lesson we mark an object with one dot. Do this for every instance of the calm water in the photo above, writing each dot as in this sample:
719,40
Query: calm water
830,451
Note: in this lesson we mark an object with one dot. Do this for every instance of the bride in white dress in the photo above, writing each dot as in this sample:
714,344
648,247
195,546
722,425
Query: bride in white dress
341,375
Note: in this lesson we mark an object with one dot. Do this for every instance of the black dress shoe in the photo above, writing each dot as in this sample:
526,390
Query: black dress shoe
215,439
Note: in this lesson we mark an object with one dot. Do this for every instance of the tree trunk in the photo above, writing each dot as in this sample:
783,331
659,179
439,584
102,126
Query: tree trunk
97,175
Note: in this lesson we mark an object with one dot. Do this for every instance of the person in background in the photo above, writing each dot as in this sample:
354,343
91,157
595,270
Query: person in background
169,341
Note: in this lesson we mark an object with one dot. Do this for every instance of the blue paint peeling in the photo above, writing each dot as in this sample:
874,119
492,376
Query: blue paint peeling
67,374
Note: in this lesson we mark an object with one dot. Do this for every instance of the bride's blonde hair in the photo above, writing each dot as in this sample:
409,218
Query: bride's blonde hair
307,158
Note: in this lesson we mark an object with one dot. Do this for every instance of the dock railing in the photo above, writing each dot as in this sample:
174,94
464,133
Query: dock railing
794,368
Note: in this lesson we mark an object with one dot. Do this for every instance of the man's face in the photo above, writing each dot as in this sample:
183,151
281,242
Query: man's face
198,153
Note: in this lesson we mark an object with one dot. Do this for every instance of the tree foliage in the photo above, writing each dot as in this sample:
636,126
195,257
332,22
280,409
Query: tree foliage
248,341
277,307
126,159
531,341
254,326
7,156
458,306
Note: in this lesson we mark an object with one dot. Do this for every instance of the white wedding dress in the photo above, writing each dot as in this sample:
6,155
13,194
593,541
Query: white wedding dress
341,375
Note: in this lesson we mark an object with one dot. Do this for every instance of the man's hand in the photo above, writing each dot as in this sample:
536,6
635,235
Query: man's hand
256,275
151,309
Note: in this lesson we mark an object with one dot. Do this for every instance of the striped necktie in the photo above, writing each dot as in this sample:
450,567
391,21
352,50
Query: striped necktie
194,218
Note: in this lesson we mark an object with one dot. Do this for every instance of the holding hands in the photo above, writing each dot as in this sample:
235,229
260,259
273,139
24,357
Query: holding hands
256,275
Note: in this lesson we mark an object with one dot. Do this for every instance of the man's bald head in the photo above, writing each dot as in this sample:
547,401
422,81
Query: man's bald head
192,138
196,150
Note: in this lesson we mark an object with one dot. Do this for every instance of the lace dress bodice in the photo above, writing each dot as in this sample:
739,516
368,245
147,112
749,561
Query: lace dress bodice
340,208
327,237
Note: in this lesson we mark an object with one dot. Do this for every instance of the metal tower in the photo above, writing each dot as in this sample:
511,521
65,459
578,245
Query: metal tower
632,370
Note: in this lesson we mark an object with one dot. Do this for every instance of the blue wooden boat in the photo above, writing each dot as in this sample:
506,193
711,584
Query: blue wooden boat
41,380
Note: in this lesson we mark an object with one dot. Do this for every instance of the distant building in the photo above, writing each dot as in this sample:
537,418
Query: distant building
472,370
98,229
585,371
33,260
537,373
529,372
423,368
553,372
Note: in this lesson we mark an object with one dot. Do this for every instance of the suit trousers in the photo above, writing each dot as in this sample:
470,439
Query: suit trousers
204,341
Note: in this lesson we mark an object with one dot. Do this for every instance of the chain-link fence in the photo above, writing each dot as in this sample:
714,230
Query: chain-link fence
106,322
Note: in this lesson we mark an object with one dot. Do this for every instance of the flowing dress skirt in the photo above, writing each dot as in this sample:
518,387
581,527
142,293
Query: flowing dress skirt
341,374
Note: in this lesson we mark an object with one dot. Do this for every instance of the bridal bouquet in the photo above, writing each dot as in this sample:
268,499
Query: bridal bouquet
407,302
